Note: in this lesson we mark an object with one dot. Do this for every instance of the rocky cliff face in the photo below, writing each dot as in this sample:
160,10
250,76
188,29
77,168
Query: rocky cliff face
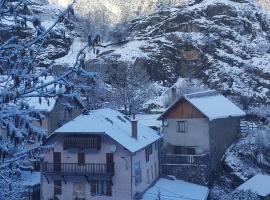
224,43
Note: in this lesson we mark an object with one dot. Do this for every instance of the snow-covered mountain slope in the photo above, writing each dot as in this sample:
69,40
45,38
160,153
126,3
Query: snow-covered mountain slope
114,11
225,43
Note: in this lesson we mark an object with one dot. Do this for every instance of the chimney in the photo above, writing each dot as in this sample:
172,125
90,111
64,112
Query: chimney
134,127
173,94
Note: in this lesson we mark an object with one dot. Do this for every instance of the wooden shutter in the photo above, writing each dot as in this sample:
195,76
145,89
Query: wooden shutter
93,187
57,187
81,158
98,139
109,188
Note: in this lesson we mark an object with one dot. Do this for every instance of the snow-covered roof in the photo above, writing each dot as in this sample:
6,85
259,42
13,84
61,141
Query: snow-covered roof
44,104
30,179
112,123
212,104
259,184
150,120
175,190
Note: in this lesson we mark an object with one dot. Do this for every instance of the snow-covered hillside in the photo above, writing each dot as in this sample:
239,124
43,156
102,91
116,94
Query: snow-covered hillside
224,43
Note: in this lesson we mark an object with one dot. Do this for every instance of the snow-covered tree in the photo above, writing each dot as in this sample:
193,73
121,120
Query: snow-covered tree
132,87
241,195
26,46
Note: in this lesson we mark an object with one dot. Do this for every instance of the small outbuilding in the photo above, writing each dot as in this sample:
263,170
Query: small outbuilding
258,184
175,189
31,182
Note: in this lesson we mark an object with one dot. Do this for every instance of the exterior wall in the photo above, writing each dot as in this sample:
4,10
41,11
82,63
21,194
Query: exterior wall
197,134
191,173
121,188
223,133
59,115
150,165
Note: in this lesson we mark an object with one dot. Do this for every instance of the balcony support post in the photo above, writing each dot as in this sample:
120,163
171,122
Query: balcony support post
47,179
88,181
65,181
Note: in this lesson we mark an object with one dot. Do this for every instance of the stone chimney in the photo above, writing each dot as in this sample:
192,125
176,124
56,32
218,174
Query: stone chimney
173,94
134,128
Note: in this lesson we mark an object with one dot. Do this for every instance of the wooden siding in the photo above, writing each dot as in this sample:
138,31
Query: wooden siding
183,109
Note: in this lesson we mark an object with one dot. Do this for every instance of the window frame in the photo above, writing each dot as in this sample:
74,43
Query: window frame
182,126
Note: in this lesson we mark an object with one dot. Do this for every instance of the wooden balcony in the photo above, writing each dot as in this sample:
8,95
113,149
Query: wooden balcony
185,159
75,169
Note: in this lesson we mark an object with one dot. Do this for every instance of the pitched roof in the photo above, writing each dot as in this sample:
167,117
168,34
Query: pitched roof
150,120
176,190
212,104
112,123
258,184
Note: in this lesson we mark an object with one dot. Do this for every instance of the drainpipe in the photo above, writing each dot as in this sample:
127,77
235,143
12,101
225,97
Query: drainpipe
131,177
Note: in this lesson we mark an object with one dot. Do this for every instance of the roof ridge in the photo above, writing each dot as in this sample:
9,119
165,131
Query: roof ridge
206,93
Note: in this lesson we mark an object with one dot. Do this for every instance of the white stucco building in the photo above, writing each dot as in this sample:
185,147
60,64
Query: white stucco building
102,155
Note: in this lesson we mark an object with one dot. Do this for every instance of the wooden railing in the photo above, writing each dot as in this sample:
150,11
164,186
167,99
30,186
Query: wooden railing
78,169
185,159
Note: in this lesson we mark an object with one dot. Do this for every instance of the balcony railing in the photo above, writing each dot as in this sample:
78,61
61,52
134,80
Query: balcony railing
98,169
185,159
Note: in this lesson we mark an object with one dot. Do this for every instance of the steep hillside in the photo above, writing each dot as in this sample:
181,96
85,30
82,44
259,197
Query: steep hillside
224,43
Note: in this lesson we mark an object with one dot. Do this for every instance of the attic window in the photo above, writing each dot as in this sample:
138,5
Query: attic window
121,119
109,120
182,126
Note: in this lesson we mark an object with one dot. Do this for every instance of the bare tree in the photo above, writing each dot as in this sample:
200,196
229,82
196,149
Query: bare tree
132,87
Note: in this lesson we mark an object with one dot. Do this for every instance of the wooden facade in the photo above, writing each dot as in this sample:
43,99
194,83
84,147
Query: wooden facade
183,109
82,142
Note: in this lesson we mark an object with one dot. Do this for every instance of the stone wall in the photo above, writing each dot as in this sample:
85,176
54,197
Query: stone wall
198,174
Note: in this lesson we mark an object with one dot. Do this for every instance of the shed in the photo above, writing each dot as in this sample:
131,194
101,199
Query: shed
259,184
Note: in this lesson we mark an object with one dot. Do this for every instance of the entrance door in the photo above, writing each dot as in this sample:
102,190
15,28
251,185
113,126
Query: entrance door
57,161
109,161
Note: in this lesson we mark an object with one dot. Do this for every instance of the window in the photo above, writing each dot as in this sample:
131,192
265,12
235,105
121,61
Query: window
138,172
148,176
156,170
81,158
184,150
58,187
152,172
148,151
101,187
182,126
83,142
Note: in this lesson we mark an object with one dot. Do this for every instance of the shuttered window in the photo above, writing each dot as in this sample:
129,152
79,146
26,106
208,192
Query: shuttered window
57,187
93,187
82,142
101,187
109,188
81,158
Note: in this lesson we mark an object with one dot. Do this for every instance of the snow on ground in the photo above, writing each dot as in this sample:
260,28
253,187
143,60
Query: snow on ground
259,184
175,190
130,51
70,58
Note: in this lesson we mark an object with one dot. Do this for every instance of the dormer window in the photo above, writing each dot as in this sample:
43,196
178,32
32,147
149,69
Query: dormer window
182,126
